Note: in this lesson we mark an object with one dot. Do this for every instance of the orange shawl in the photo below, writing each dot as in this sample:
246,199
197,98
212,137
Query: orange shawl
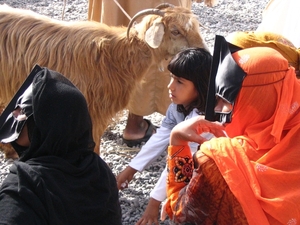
261,161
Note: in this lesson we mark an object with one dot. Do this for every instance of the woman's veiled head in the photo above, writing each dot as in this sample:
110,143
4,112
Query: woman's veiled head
265,102
62,121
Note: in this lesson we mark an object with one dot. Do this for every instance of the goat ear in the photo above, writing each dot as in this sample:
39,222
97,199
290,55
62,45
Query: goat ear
155,34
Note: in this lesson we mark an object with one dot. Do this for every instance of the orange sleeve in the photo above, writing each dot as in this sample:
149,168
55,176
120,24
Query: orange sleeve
180,170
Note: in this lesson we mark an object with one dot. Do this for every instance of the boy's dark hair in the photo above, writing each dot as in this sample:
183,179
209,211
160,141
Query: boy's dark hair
193,64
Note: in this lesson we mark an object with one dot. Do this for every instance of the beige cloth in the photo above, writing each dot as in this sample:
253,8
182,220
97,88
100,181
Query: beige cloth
152,94
281,17
108,12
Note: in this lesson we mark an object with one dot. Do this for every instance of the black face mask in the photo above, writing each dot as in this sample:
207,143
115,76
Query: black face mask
30,127
226,79
11,125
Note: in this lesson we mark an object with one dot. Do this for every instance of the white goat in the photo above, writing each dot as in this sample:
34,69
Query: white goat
104,62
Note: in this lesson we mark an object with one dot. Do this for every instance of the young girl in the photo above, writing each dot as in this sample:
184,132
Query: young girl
190,71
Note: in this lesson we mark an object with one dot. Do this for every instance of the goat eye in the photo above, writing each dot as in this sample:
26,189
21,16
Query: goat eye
175,32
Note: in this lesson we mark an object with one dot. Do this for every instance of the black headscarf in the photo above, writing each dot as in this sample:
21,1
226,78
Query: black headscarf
59,179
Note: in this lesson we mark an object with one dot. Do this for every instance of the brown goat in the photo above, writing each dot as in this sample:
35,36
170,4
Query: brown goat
101,61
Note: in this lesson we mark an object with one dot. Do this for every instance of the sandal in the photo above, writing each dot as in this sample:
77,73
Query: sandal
148,134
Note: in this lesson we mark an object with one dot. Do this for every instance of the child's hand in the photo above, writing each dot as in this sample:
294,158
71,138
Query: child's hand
190,130
150,216
125,177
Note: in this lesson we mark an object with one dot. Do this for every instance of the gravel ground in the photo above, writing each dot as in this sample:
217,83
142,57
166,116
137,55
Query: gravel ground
226,17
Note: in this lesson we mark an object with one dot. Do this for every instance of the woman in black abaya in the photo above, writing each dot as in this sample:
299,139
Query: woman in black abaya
58,178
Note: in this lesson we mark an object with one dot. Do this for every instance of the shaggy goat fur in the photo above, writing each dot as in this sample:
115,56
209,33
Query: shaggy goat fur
104,64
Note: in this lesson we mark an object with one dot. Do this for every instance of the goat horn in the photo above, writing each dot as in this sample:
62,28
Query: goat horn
164,5
142,13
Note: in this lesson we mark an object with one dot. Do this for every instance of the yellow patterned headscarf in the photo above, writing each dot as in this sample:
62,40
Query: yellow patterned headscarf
250,39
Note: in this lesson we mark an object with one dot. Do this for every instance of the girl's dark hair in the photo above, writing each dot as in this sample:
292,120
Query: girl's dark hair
193,64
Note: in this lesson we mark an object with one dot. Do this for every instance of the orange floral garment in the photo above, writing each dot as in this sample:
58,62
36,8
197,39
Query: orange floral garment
207,198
